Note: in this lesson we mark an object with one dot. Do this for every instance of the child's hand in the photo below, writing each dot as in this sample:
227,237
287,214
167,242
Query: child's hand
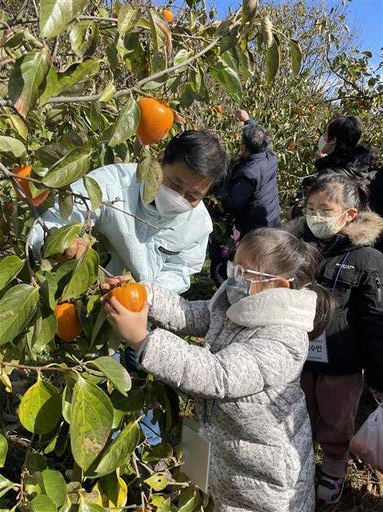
131,327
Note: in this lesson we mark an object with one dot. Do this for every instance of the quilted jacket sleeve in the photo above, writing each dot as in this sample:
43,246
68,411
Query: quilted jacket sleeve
176,314
241,369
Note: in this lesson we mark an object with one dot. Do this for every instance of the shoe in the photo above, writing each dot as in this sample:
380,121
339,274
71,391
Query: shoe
330,489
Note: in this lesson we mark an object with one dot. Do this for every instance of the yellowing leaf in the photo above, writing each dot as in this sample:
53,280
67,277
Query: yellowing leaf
91,420
26,78
149,172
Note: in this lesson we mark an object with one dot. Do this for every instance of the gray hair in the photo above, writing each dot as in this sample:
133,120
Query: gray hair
256,138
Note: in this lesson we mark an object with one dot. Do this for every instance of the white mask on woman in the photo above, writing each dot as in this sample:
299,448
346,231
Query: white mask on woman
324,227
170,203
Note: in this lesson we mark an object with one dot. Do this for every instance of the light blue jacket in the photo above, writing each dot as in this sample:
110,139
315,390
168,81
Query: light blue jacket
168,254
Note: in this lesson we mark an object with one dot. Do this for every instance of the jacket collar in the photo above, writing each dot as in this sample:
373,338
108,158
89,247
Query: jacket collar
276,306
364,230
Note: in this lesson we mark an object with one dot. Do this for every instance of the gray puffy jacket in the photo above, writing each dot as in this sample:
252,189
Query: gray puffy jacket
247,378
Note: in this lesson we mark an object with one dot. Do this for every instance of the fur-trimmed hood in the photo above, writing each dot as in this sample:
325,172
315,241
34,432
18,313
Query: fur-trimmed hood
364,230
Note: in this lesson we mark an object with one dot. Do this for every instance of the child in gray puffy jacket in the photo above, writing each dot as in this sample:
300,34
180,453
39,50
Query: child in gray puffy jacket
246,377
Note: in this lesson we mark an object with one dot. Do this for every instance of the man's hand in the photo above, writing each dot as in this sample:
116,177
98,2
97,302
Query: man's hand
112,282
242,115
75,251
131,327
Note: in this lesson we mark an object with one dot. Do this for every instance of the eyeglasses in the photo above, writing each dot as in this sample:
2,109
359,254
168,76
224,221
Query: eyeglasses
238,272
320,211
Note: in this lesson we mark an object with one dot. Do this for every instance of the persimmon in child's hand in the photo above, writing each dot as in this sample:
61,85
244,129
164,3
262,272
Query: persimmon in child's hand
127,312
133,296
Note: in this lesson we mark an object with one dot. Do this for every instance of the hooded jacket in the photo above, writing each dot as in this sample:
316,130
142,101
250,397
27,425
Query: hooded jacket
353,270
166,250
246,382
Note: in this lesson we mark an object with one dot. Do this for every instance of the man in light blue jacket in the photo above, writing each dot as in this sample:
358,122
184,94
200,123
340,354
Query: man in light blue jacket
170,245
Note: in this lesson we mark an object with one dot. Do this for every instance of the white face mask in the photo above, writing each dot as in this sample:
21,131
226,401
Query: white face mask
321,144
238,288
324,227
170,203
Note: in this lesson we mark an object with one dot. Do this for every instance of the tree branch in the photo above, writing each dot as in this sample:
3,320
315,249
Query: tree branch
125,92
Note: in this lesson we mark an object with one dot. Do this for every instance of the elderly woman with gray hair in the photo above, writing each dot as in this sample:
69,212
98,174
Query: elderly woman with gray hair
251,193
249,196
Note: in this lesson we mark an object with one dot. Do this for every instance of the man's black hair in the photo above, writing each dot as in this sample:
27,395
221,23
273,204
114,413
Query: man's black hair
255,137
201,151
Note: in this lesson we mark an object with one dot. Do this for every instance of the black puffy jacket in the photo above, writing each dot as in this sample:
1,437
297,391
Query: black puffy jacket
358,163
251,193
354,271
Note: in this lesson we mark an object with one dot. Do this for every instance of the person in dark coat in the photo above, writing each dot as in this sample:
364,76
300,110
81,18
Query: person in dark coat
251,193
340,151
338,222
249,197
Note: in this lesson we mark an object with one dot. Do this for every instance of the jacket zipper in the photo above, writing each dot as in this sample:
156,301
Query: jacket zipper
379,286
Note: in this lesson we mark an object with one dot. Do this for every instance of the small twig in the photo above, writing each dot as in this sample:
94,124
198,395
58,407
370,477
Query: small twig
49,367
134,462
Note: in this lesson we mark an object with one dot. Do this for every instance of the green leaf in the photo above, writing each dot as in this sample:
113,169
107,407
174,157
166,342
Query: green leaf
91,507
113,371
126,123
119,451
55,15
19,126
94,191
42,503
17,308
26,78
273,59
45,330
84,275
83,37
76,74
149,172
158,481
108,92
249,8
50,86
10,266
54,486
228,79
65,204
5,485
3,450
126,17
61,239
188,500
91,422
295,56
40,408
181,56
69,169
12,146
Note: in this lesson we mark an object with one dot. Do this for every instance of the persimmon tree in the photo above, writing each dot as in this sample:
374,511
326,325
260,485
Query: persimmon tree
74,78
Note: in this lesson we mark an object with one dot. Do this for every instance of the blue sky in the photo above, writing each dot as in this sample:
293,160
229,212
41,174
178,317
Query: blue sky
364,16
